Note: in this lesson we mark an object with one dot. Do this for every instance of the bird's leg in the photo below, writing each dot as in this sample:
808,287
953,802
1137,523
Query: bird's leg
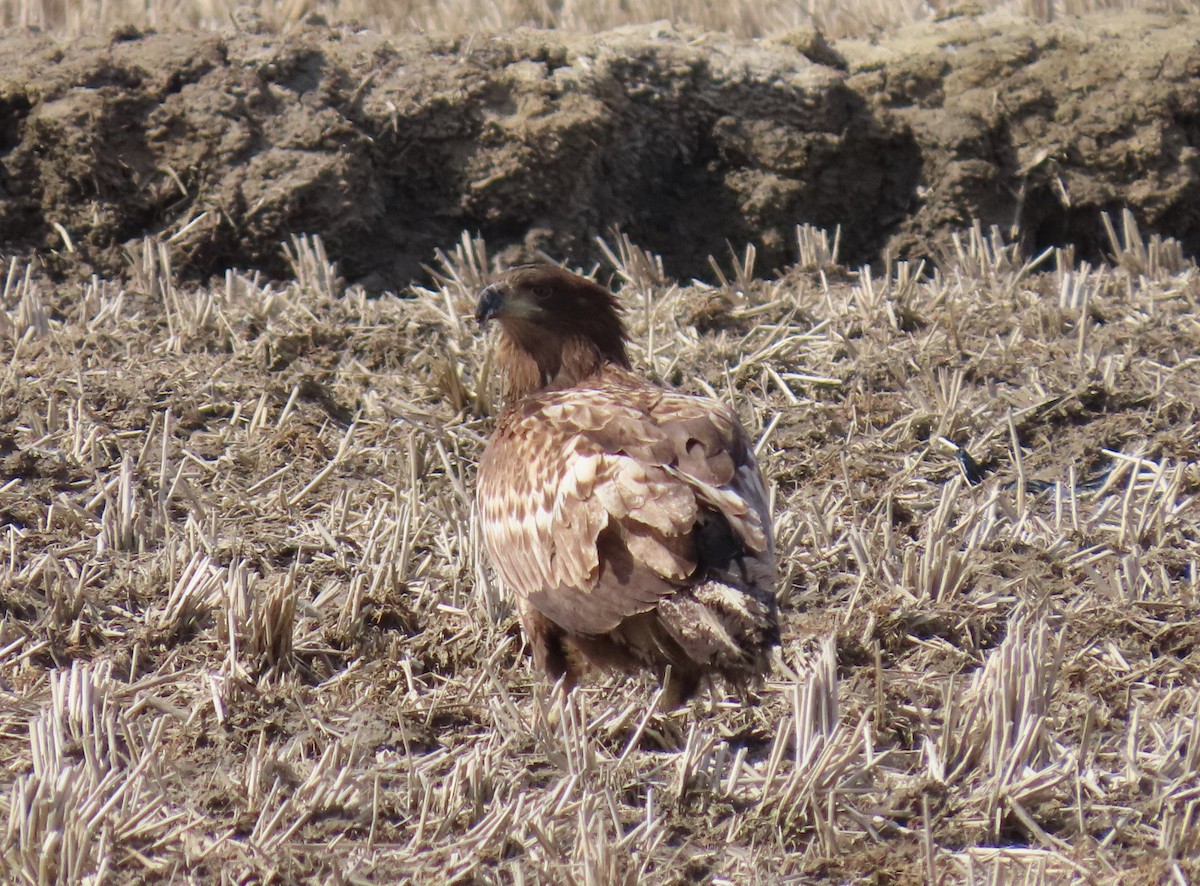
551,651
560,665
678,687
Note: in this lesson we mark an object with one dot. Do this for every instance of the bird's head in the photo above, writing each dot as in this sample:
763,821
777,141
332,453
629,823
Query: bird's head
566,325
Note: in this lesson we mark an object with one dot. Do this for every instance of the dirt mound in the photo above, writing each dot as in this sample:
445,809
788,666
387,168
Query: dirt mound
225,144
1042,128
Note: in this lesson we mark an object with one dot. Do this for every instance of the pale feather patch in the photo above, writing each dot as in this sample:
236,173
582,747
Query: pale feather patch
743,519
697,630
580,478
733,603
671,557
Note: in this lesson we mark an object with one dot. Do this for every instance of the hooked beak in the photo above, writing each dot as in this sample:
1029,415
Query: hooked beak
491,302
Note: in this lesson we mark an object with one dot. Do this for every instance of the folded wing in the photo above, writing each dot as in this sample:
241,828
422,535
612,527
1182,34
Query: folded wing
598,503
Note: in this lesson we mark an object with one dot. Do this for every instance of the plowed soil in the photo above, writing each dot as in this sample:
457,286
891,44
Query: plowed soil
226,144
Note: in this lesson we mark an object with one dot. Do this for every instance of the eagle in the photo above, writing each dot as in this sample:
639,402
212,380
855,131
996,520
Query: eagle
628,522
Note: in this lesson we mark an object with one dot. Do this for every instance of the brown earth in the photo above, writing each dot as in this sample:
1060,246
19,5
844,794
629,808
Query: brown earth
225,144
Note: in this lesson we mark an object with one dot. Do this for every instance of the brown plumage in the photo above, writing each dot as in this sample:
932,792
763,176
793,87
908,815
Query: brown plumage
629,523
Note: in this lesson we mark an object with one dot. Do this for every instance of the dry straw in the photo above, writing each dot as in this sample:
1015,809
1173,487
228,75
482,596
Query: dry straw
837,18
248,631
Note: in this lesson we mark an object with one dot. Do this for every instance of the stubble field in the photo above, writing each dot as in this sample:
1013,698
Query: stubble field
247,634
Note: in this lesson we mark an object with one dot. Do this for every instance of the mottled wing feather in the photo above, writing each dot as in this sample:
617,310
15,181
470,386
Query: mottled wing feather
715,461
589,498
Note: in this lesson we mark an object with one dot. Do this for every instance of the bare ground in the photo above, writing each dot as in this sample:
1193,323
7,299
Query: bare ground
246,632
